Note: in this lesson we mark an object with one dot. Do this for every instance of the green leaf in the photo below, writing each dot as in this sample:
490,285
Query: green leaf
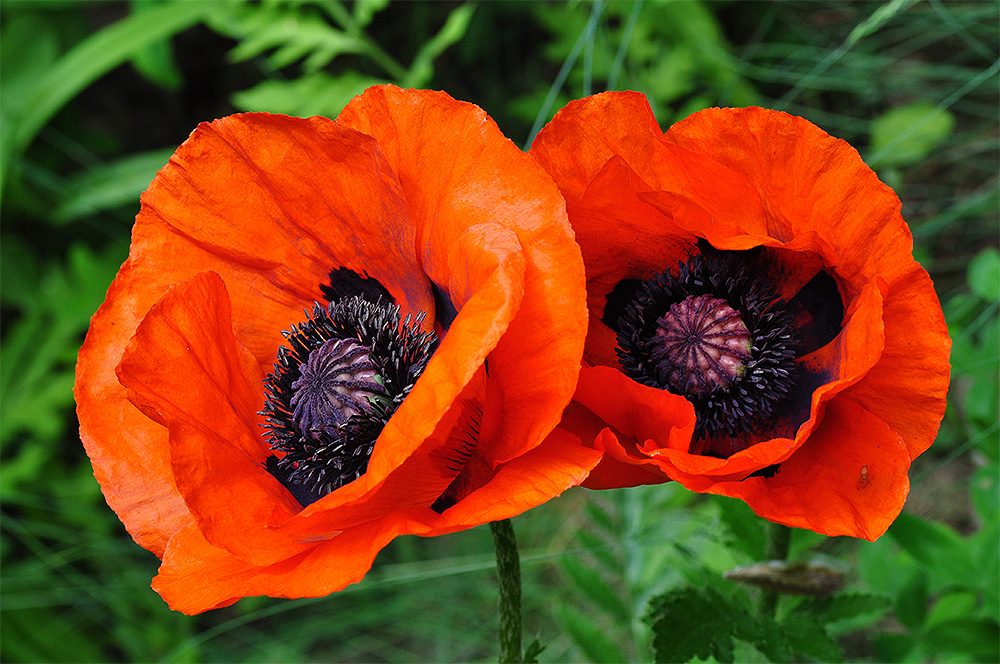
365,10
592,585
85,63
294,34
28,47
845,607
313,94
692,622
156,62
533,650
111,185
38,352
984,274
422,68
598,548
893,647
976,639
600,516
911,603
981,401
38,635
984,490
807,636
938,547
18,271
907,134
748,530
951,606
589,636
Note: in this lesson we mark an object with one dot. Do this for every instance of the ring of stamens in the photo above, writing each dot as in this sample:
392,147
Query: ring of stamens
715,334
341,375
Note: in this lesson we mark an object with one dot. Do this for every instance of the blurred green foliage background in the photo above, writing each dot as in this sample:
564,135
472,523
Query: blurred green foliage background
97,95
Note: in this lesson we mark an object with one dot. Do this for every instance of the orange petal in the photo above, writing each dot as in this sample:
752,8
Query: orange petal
480,177
907,387
542,473
186,369
811,182
588,132
645,242
196,576
848,479
313,196
129,452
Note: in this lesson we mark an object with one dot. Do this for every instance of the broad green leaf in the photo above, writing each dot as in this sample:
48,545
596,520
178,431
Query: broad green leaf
748,530
952,605
907,134
845,607
807,636
111,185
894,647
977,639
984,489
589,636
984,274
938,547
981,400
85,63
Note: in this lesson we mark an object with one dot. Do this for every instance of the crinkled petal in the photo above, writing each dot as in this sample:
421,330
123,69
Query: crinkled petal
185,368
479,176
850,479
196,576
907,387
271,204
589,132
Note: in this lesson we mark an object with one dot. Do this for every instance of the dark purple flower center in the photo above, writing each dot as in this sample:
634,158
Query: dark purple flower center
336,381
700,343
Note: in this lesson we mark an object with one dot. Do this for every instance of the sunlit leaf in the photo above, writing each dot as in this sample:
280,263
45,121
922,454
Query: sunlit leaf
314,94
907,134
984,274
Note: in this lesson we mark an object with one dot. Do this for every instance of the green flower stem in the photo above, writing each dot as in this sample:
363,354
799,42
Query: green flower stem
778,541
509,574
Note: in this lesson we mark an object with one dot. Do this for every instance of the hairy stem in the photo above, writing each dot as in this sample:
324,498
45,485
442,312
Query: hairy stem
509,574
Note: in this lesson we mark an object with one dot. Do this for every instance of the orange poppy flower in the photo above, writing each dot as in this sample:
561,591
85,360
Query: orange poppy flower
758,326
415,398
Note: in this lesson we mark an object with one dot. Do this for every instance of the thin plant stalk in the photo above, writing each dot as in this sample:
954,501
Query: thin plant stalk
509,576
